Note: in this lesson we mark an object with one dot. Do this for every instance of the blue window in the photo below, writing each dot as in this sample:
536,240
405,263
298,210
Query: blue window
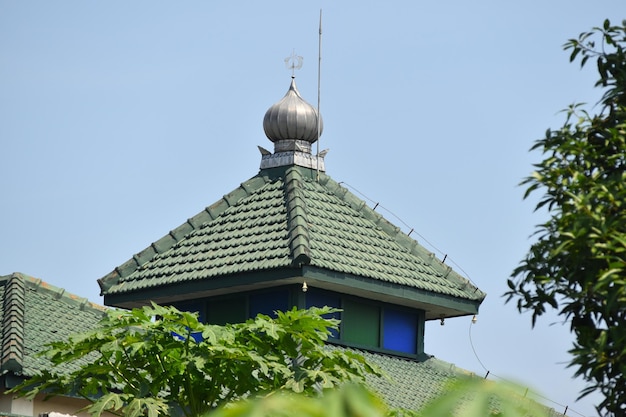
317,298
268,302
400,330
194,306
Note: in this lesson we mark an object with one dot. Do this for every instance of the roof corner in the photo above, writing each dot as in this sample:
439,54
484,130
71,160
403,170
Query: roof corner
444,272
116,277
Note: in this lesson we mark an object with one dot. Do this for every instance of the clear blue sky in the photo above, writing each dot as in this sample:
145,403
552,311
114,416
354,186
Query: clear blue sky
119,120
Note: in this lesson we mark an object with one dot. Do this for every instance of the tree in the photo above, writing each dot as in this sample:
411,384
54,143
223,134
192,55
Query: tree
578,263
161,361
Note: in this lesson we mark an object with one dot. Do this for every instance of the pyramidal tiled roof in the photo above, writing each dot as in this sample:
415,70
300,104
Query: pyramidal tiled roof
293,223
34,314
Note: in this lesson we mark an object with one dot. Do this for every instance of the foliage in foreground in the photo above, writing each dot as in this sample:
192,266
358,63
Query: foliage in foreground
152,361
470,397
578,264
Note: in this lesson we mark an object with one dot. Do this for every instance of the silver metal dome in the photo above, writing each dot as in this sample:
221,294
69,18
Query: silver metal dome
292,118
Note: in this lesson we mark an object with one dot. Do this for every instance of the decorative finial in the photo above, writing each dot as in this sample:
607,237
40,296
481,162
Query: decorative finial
293,62
292,125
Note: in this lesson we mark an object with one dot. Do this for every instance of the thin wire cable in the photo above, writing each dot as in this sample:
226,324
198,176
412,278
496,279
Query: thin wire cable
376,205
474,350
528,390
435,249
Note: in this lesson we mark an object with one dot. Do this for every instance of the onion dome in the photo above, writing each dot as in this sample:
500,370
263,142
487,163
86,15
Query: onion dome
291,119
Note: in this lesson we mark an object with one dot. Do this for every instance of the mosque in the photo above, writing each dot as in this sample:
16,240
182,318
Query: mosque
289,236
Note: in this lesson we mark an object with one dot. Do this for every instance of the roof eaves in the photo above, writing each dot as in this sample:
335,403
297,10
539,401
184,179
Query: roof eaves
227,284
174,236
433,303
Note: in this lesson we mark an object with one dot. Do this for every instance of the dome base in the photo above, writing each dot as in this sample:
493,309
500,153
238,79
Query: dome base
303,159
292,145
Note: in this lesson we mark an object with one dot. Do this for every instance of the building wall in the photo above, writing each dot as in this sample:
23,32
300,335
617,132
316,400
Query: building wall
63,405
13,405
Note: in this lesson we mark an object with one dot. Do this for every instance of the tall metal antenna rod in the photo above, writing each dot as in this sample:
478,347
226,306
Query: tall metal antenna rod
319,115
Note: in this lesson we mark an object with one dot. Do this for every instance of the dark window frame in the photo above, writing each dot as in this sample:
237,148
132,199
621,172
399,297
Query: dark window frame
297,298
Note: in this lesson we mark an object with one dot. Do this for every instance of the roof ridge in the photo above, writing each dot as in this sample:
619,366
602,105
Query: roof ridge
13,305
40,285
196,222
395,232
297,221
438,363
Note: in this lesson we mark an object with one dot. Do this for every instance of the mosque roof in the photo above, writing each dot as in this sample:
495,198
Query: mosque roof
284,226
290,223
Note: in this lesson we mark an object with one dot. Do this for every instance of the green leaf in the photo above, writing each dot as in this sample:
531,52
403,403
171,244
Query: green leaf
108,402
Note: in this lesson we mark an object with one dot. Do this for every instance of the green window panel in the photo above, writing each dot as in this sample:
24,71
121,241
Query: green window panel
360,324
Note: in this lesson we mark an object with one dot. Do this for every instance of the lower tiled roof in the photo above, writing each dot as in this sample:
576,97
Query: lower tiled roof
33,314
410,384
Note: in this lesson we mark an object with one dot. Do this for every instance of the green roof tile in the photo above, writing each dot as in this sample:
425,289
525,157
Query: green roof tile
285,219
